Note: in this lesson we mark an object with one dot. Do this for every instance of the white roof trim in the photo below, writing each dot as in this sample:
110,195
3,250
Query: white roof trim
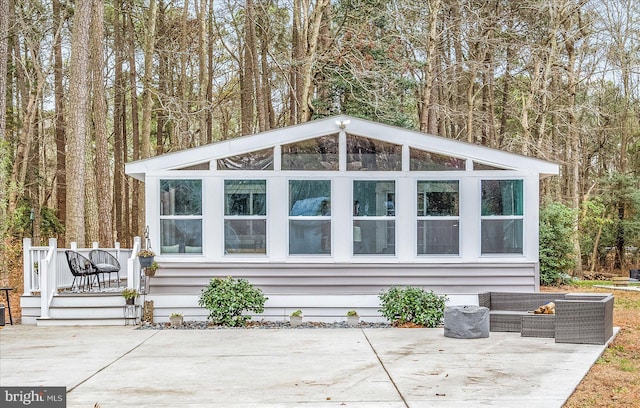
259,141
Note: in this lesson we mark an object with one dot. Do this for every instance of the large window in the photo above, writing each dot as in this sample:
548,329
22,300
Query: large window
309,217
364,154
374,217
438,205
314,154
245,216
502,216
180,216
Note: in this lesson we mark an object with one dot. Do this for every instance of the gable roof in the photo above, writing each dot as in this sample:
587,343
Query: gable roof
332,125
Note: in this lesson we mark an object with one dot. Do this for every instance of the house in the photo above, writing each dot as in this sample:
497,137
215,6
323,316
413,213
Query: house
325,215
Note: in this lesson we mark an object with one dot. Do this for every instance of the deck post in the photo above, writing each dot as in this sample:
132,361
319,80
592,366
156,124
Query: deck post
26,266
133,273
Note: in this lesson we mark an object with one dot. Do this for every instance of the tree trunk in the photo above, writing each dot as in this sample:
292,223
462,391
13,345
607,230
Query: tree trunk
426,108
147,101
136,217
78,117
102,157
61,173
118,124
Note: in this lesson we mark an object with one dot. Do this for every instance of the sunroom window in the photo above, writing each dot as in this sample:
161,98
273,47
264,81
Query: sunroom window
374,217
502,217
438,205
365,154
245,216
180,216
257,160
309,217
320,153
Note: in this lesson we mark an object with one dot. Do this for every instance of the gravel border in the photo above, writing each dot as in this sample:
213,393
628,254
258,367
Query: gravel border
253,325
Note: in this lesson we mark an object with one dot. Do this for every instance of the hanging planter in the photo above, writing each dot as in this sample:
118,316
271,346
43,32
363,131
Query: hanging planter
145,257
151,270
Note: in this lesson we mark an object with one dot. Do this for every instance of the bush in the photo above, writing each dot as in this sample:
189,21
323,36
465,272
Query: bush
226,300
557,256
412,305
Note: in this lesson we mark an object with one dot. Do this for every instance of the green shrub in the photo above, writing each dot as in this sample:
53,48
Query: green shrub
557,258
227,299
412,305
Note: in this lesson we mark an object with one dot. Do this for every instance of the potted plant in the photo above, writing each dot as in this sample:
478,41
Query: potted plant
352,318
145,257
176,319
151,270
295,319
129,295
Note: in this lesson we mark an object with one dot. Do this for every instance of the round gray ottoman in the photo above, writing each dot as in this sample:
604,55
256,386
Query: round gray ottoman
466,322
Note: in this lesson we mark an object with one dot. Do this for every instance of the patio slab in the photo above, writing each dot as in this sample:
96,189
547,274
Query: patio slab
123,367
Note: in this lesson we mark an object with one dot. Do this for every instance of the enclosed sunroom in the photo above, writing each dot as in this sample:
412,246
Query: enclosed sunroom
325,215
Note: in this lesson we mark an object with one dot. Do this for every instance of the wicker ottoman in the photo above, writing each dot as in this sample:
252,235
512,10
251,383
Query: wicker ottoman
538,325
466,322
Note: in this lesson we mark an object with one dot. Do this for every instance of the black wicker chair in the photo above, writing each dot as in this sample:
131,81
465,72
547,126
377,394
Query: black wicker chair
105,263
82,268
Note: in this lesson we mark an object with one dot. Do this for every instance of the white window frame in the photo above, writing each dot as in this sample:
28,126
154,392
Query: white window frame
246,217
522,217
425,217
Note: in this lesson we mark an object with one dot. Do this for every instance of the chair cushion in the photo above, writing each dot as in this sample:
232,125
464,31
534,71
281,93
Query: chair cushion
105,267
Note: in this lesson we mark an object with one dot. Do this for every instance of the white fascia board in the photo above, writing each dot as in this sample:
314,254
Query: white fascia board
331,125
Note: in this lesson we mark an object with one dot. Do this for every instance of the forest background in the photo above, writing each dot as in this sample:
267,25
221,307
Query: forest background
90,85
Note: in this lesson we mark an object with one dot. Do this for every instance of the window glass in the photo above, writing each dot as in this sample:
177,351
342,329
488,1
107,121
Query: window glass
309,217
438,227
245,236
374,198
502,236
181,236
245,210
483,166
374,237
438,198
258,160
427,161
199,166
180,216
180,197
245,197
320,153
502,217
438,237
364,154
374,210
502,197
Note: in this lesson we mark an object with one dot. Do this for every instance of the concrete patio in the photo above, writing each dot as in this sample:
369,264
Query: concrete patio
124,367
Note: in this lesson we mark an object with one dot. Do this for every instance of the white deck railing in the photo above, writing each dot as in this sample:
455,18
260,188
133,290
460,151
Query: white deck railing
46,270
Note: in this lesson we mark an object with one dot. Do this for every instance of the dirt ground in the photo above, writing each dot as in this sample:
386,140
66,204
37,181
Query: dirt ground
614,381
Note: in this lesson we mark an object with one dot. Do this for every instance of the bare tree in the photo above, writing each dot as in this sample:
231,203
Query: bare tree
77,110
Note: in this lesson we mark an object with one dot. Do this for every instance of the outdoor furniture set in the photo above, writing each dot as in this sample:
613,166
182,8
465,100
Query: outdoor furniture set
88,270
585,318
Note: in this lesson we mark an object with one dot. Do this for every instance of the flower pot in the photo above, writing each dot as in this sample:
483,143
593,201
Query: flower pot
149,272
353,320
145,261
176,320
295,321
130,301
